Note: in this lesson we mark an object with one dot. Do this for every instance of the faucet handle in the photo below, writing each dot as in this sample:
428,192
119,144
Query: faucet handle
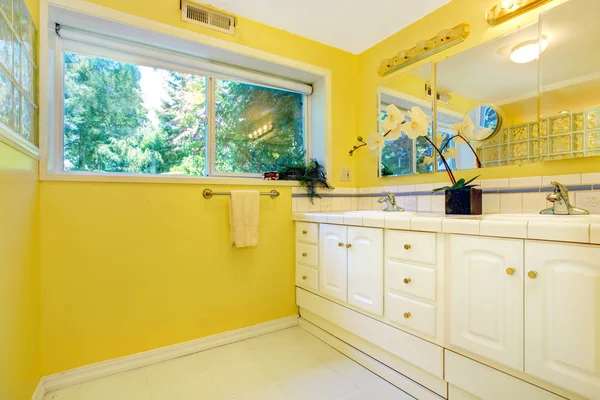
561,191
560,188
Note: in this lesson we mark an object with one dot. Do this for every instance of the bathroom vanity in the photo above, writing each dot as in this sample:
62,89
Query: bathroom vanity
490,307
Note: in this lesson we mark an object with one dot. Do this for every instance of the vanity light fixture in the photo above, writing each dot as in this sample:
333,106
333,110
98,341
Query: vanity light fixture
505,10
528,51
425,48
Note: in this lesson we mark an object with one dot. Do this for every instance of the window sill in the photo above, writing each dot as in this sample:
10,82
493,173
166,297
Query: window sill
18,142
176,179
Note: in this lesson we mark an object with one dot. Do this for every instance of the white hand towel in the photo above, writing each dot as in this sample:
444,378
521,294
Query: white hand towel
244,212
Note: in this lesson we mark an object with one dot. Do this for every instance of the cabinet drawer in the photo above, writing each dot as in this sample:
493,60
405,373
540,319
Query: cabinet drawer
415,247
412,280
307,254
484,382
411,314
307,232
307,277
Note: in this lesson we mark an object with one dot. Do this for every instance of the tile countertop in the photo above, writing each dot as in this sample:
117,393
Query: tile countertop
577,229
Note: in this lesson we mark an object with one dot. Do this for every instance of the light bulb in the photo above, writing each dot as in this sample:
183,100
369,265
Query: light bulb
528,51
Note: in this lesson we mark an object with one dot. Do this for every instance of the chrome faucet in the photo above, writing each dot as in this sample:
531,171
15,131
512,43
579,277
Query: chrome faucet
560,202
390,202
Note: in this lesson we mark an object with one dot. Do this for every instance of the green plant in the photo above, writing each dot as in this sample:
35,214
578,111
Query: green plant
459,185
312,176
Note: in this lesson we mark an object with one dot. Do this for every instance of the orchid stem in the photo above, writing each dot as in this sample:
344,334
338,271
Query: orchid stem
448,170
478,161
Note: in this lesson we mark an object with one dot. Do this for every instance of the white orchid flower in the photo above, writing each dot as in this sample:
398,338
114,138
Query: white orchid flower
418,125
394,134
375,142
427,160
467,127
393,120
458,128
452,152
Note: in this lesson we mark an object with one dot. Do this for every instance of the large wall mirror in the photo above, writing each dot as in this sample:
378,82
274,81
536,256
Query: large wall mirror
527,107
405,156
570,80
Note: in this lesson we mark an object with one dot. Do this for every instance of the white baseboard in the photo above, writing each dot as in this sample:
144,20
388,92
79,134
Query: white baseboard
40,391
139,360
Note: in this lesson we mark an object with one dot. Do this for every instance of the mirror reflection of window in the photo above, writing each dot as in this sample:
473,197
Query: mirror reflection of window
406,156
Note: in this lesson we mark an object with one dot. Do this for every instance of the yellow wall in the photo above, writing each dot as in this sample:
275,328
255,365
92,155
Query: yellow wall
454,13
133,267
130,267
19,275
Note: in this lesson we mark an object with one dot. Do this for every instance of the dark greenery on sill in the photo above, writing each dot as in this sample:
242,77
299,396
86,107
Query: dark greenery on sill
312,176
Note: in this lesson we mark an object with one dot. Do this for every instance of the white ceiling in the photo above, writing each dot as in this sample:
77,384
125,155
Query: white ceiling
350,25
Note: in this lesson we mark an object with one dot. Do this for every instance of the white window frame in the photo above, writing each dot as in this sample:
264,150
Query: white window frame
178,63
221,52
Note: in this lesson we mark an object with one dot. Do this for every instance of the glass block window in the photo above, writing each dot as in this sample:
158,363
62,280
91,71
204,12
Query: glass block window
18,70
567,135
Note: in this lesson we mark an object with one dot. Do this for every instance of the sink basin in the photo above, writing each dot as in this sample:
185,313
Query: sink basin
576,219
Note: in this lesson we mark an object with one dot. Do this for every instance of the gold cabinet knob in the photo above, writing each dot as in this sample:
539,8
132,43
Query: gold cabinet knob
340,244
407,280
532,274
407,247
348,245
304,254
304,277
510,271
407,315
304,232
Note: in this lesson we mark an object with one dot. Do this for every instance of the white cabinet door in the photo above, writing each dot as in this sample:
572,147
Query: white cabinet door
333,270
486,298
365,269
562,316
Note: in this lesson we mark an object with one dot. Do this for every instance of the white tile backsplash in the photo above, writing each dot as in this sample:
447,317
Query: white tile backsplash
406,188
491,204
424,203
506,203
438,204
366,204
410,203
303,203
336,204
346,203
590,178
587,200
532,181
314,205
511,203
327,204
494,183
533,203
424,187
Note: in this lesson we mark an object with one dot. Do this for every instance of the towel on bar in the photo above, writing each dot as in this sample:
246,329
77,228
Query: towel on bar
244,212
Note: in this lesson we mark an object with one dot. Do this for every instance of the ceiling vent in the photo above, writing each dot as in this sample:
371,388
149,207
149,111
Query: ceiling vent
442,97
204,16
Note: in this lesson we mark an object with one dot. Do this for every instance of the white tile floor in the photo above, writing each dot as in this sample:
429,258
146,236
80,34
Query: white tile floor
286,365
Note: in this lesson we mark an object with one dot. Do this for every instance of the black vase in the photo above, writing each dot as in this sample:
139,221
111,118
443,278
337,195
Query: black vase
464,201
